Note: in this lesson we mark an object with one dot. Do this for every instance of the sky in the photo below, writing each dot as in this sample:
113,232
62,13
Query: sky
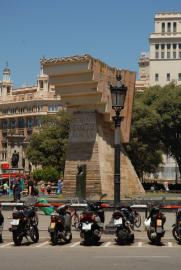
114,31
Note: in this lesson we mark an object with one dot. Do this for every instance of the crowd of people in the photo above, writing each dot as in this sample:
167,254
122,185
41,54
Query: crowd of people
19,185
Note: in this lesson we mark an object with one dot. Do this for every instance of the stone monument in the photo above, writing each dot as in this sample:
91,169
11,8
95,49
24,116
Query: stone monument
84,85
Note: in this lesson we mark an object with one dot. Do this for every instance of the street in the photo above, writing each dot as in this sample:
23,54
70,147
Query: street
42,255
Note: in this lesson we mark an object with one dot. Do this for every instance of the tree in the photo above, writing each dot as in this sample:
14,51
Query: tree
156,128
145,137
48,146
46,174
169,109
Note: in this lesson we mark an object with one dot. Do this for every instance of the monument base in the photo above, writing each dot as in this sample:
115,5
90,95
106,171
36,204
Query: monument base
91,142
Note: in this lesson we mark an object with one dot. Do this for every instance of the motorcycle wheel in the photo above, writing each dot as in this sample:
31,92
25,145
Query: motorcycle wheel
54,238
34,234
137,220
175,235
17,238
158,240
149,236
68,240
75,222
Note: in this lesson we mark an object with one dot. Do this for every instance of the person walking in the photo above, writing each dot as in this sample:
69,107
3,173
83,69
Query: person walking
1,225
30,187
5,188
17,190
59,186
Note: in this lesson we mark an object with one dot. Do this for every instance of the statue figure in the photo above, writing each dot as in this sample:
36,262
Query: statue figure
81,181
15,159
80,170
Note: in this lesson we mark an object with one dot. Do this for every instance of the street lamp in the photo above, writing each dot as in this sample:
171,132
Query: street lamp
118,95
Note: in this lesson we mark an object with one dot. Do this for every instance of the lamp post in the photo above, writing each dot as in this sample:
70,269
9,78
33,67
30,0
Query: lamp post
118,94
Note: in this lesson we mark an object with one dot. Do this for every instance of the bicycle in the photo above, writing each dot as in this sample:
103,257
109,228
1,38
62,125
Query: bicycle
74,217
137,219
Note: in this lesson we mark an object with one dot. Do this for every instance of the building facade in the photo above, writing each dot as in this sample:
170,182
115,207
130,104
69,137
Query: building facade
161,66
21,111
163,63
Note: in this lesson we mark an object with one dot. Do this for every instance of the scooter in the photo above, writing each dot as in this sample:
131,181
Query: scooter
60,226
24,224
155,230
92,222
176,231
124,226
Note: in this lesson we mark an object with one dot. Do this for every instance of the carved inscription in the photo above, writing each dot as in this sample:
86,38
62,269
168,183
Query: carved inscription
83,127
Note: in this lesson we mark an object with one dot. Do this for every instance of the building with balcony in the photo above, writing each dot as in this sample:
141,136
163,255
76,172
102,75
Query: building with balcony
162,64
21,111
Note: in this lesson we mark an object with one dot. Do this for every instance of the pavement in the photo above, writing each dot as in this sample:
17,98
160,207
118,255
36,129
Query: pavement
106,255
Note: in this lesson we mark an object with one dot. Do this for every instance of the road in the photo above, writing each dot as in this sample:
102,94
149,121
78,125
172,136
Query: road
107,255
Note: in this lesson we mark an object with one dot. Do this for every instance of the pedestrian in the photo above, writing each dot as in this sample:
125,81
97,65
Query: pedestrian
17,190
59,185
30,187
49,189
22,183
5,188
42,188
1,225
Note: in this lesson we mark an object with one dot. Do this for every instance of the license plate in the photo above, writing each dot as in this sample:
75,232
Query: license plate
52,225
159,222
15,222
159,229
86,227
118,221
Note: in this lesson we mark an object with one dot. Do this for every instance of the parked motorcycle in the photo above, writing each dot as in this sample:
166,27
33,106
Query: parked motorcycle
124,224
60,226
177,227
92,222
24,224
155,226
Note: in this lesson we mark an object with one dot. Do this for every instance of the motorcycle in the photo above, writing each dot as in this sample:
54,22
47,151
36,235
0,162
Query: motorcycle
176,231
92,222
24,224
155,226
60,226
124,226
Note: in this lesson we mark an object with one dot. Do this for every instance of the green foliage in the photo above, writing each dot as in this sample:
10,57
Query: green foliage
156,127
46,174
48,146
145,136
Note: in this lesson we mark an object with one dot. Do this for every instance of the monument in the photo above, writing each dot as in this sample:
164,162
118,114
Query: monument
83,83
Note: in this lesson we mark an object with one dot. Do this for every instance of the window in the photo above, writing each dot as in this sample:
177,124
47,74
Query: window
168,55
169,27
168,76
174,27
162,46
162,55
8,90
174,55
156,46
163,27
157,55
179,76
174,46
41,84
156,77
168,46
179,54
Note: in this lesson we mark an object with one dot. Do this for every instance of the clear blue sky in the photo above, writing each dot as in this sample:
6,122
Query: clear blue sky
115,31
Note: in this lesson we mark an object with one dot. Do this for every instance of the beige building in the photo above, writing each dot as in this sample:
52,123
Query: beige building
161,66
21,110
163,63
